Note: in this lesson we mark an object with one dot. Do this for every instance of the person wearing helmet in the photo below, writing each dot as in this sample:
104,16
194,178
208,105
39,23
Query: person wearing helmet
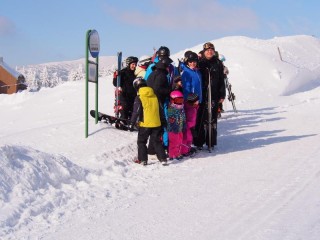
144,62
158,81
163,52
148,115
192,91
126,90
211,69
176,125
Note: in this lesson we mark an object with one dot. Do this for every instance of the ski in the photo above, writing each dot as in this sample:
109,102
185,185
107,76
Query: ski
231,96
117,106
119,123
209,114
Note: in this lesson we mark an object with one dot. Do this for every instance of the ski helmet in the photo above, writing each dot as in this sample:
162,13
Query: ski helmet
191,57
176,94
130,60
176,97
163,51
144,60
138,83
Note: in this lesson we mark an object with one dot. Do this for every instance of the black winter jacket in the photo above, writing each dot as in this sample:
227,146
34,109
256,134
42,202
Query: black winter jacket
158,81
212,68
126,83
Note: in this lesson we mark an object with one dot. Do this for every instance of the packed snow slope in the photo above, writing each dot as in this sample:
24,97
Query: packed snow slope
261,182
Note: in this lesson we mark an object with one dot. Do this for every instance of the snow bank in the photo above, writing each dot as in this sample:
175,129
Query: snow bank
28,177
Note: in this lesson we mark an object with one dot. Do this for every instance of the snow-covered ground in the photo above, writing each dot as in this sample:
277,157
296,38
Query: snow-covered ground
261,182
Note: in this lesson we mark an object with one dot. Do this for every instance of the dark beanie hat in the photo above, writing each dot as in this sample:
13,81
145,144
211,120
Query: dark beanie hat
192,97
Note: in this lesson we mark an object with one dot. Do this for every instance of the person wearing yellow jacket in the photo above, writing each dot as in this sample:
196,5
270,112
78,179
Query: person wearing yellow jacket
148,116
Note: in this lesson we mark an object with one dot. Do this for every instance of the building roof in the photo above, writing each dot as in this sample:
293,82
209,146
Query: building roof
9,69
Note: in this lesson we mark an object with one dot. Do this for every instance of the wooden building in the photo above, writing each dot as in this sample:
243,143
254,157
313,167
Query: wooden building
11,81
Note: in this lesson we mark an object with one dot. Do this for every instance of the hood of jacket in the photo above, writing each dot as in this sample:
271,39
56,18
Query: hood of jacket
146,92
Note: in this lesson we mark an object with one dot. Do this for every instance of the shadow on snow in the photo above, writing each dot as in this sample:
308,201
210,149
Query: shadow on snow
231,138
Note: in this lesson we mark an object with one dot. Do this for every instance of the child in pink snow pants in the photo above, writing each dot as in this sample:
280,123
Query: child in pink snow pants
176,124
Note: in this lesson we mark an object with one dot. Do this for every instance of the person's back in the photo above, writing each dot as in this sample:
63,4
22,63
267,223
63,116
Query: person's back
150,108
158,81
147,113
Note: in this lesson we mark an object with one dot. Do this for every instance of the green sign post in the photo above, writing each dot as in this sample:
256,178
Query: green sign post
92,70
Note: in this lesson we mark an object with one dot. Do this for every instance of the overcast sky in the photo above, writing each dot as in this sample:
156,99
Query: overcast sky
40,31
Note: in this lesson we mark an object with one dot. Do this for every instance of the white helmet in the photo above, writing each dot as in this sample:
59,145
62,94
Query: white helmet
144,60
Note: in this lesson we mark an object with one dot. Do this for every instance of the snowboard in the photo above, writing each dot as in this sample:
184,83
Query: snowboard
119,123
231,96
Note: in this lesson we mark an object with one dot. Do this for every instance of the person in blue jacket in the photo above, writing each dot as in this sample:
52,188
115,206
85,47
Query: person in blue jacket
192,88
191,76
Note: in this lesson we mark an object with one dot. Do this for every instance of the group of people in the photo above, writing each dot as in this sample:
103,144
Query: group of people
170,104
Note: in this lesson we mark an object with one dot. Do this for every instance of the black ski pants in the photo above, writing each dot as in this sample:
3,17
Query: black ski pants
155,135
201,135
127,106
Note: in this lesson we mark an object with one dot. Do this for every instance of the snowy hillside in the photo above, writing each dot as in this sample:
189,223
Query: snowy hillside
261,182
55,73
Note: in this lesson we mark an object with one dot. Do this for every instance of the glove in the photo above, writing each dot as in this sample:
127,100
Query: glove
115,74
118,91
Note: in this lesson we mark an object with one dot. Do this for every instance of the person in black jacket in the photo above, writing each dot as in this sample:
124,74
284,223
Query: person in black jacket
158,81
126,91
211,68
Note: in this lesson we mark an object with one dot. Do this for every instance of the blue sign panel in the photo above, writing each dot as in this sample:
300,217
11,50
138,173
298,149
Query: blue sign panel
94,43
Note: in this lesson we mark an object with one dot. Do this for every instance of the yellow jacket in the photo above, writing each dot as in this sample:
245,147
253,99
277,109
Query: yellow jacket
146,107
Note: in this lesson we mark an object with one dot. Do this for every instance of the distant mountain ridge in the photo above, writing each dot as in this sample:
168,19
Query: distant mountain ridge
54,73
300,57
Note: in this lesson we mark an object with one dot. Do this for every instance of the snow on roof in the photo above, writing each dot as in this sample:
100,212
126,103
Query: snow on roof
9,69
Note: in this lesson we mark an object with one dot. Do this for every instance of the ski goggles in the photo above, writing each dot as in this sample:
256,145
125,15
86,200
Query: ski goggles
207,46
178,100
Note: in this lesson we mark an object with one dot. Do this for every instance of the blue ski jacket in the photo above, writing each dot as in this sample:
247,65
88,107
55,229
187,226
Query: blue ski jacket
191,82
